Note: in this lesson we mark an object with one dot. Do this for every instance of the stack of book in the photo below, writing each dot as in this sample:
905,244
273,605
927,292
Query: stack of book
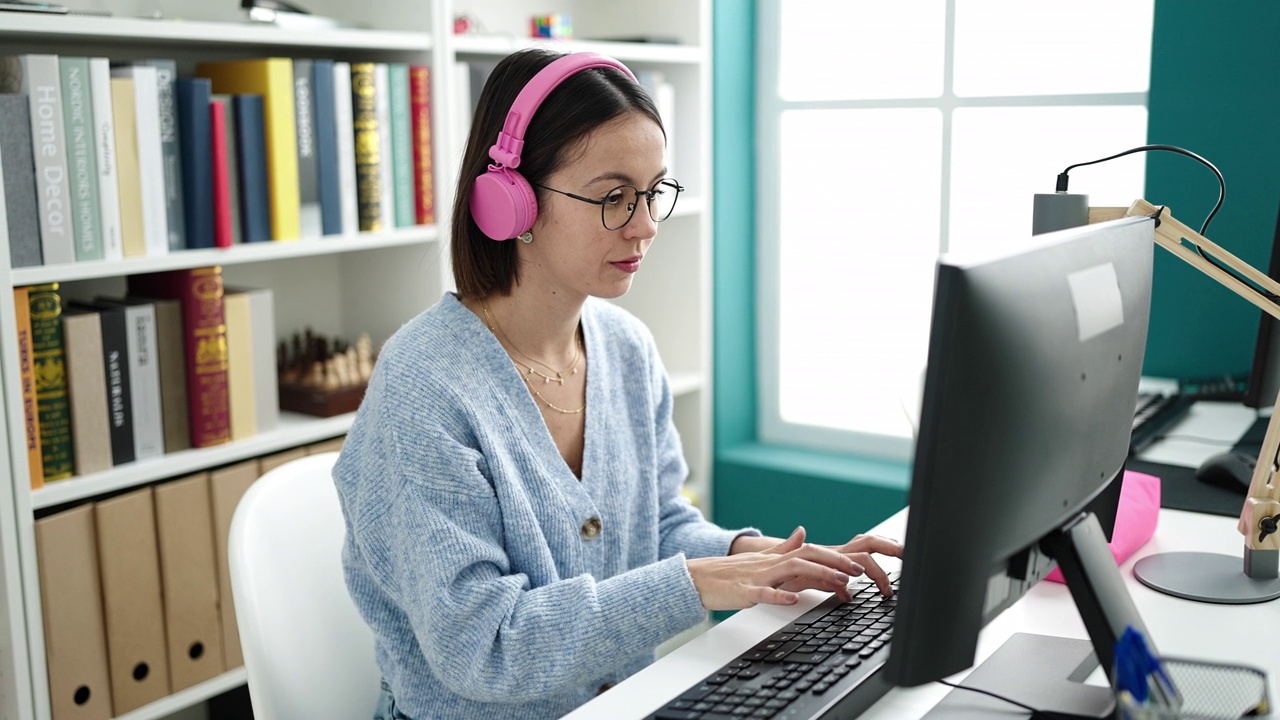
108,161
178,362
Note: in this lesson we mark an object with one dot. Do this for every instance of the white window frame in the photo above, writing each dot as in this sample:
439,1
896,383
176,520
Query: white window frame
771,427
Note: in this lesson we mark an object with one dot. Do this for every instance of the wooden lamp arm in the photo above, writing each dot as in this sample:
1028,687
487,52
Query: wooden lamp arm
1263,503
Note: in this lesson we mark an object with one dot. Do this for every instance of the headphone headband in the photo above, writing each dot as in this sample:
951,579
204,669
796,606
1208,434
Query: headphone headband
506,151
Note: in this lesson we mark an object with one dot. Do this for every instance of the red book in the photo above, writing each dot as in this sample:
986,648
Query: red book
420,112
222,236
205,340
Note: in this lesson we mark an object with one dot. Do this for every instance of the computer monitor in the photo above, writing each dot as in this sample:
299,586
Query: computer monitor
1033,367
1264,374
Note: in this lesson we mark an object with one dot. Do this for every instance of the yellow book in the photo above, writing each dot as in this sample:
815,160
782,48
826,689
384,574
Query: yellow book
128,178
272,78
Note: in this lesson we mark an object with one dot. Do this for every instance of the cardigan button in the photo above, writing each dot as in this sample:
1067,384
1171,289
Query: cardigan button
591,529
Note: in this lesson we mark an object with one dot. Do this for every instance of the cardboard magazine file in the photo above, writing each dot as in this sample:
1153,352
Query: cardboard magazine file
226,486
325,446
267,463
75,641
134,613
189,575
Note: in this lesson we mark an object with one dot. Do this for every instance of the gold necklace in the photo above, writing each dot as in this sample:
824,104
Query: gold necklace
493,327
528,368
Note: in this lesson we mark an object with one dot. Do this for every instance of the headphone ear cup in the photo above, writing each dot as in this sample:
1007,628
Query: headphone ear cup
503,204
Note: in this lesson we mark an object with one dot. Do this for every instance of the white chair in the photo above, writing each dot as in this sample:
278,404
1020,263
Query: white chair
307,651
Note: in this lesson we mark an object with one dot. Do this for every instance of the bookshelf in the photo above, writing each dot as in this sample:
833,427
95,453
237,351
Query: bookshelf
347,284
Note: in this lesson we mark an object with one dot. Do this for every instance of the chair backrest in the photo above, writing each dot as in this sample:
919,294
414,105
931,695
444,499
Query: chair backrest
307,651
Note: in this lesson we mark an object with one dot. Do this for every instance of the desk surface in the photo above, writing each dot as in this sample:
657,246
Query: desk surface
1242,634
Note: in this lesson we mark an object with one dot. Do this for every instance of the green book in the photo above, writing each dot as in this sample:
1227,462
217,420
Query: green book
52,404
401,144
82,156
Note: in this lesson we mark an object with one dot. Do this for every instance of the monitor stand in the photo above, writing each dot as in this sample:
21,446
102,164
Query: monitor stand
1038,670
1042,671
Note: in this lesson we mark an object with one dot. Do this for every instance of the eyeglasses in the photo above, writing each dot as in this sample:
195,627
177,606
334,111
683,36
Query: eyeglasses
619,204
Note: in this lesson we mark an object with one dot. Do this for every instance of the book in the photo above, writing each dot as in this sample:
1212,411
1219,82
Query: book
133,242
272,78
17,166
326,142
52,403
240,377
27,380
308,173
401,144
87,390
386,168
420,110
191,96
266,380
225,216
42,86
170,150
150,151
104,143
349,204
368,145
204,345
251,350
172,366
115,363
144,374
82,156
251,156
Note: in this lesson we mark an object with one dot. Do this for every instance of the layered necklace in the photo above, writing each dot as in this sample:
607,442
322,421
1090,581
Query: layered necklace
527,369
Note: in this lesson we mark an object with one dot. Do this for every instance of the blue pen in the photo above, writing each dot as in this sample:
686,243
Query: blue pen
1145,674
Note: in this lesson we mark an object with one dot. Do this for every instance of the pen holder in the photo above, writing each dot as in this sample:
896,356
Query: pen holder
1210,691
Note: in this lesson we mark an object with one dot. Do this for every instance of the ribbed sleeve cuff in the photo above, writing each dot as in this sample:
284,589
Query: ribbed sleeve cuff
652,604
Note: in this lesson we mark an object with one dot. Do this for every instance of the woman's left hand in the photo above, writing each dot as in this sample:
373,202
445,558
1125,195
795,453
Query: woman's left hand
860,550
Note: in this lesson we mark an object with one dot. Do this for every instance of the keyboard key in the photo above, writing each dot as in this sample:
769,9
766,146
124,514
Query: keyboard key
697,692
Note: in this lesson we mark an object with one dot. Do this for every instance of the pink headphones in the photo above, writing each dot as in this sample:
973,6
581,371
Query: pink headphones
503,203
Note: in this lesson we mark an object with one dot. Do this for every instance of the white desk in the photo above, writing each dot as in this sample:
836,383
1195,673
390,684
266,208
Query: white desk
1242,634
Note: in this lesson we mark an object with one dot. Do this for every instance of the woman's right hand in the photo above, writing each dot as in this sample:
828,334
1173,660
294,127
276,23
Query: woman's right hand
746,579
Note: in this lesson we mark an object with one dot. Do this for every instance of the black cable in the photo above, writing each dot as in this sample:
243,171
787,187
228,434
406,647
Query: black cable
1222,184
1034,712
1204,227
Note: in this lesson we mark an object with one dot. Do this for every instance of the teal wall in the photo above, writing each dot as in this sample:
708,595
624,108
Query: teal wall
1213,91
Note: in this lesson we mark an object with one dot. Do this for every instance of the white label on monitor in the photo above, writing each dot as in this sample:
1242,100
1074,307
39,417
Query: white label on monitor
1096,294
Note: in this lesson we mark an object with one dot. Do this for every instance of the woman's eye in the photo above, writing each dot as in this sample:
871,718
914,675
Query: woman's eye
613,198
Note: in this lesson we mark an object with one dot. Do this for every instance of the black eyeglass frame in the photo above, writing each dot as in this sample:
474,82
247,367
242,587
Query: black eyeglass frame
648,195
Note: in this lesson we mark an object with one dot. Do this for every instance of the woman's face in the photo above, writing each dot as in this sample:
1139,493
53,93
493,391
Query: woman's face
572,252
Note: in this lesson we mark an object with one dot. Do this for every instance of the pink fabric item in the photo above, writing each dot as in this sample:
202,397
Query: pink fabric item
1135,519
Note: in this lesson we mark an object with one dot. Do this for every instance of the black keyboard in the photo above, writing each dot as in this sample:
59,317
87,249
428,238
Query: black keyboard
826,660
1154,414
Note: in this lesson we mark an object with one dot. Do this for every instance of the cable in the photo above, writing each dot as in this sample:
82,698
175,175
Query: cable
1034,712
1222,184
1204,227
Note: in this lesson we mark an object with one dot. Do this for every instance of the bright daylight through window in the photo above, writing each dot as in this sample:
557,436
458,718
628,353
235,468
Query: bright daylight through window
892,132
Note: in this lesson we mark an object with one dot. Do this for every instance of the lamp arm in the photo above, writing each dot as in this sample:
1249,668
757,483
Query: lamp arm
1261,509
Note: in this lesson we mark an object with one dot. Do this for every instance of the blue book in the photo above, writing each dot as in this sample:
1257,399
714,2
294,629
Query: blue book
251,156
196,149
326,141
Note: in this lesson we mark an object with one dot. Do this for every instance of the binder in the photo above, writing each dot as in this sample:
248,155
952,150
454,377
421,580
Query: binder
131,600
184,524
326,445
267,463
226,486
75,641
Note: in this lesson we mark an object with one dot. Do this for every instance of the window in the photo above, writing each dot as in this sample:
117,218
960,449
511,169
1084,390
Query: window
892,132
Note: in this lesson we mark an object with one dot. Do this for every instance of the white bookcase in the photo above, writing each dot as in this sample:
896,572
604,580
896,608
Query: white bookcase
346,285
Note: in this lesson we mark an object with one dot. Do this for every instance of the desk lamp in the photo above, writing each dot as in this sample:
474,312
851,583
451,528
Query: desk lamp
1204,577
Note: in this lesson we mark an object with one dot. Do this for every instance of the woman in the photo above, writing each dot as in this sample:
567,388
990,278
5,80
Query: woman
515,532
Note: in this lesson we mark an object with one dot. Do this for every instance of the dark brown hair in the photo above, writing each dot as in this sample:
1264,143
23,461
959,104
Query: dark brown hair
583,102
